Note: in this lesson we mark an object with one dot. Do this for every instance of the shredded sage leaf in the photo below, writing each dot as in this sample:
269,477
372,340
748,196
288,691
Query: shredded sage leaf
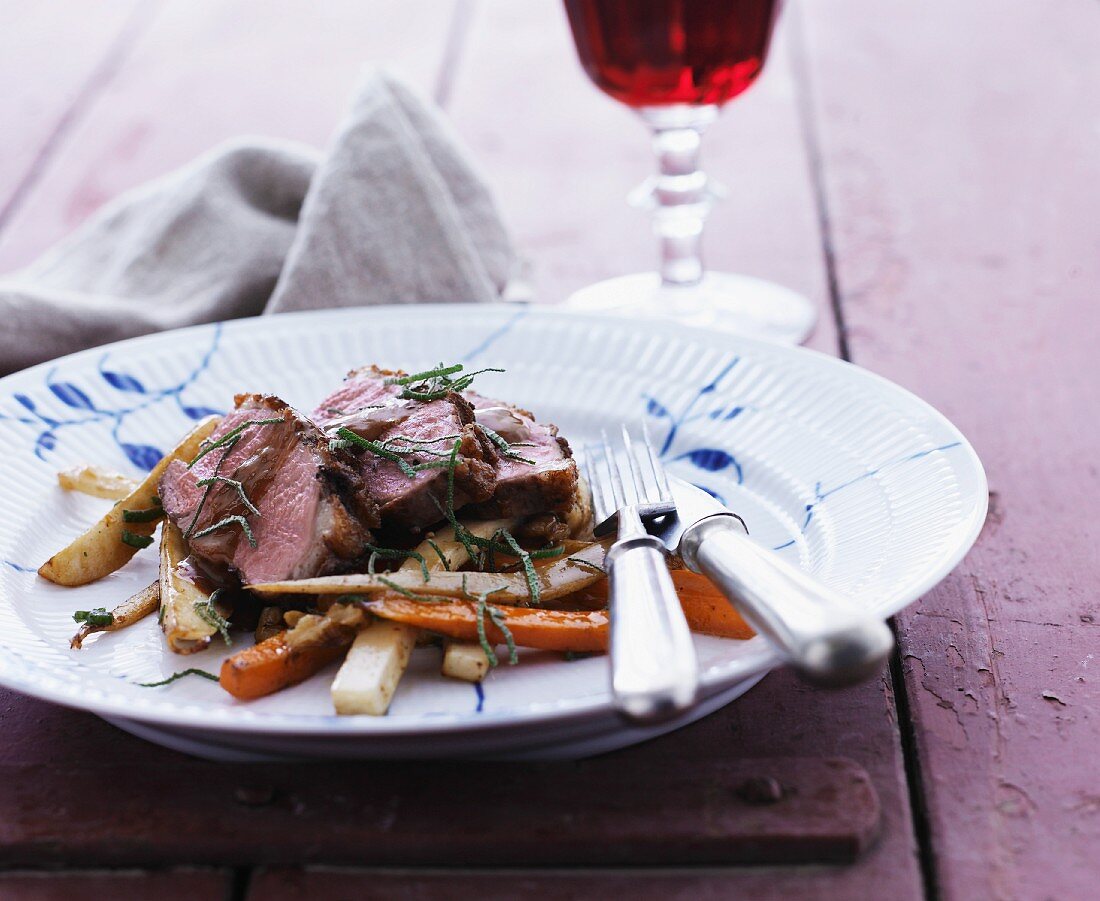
151,514
99,616
192,671
135,540
208,613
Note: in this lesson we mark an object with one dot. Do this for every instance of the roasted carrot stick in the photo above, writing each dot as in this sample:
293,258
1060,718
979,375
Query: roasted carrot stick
559,630
272,665
550,630
706,609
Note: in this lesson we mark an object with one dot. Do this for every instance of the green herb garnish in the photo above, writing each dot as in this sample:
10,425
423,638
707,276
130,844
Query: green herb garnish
210,487
347,435
503,446
235,519
528,567
230,437
386,553
498,619
547,552
172,678
135,540
235,485
440,371
151,514
208,613
401,589
442,557
432,384
461,532
595,567
100,616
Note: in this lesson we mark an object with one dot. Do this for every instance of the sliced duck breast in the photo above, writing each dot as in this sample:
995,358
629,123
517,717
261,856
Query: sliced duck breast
405,447
282,503
536,473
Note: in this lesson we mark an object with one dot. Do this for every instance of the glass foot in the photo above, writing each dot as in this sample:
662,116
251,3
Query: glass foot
738,304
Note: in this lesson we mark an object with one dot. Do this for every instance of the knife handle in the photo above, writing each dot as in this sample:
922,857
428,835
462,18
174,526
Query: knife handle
830,640
653,668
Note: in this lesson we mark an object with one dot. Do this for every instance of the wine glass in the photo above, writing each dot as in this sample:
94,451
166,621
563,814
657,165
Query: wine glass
676,62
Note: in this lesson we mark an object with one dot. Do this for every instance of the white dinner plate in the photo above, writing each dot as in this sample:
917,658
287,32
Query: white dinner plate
863,484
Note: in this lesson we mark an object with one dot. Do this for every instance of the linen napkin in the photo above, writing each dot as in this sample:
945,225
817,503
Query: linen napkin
393,212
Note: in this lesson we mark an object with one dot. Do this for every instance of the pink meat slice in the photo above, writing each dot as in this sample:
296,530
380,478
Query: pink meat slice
313,518
424,432
544,480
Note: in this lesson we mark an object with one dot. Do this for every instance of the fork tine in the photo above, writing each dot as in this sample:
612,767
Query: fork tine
618,490
660,476
635,476
595,486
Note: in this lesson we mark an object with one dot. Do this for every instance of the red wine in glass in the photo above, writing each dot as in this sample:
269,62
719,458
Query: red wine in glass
657,52
676,62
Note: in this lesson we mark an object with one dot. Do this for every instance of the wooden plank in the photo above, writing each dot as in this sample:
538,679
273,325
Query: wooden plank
106,885
696,884
395,814
390,813
961,159
209,70
57,69
563,176
83,807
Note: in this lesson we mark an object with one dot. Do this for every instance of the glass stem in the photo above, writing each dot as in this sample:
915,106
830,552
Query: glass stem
681,195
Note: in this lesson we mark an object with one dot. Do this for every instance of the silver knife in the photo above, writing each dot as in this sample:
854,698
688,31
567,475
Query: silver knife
827,637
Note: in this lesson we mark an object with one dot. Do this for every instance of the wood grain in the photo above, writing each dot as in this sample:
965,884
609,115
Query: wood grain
961,182
52,70
588,813
207,71
105,885
658,884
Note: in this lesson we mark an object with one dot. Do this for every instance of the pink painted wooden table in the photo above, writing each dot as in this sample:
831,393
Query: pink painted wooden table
926,172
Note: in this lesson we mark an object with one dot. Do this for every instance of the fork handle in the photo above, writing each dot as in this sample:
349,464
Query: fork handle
828,639
653,667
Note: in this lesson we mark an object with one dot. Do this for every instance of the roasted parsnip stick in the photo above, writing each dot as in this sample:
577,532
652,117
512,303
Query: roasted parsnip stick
127,613
562,577
97,482
112,541
185,629
378,657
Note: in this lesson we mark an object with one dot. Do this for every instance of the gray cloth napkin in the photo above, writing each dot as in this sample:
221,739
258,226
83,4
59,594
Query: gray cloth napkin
392,213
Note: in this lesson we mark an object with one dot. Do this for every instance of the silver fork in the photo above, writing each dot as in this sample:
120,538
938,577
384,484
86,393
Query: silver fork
654,674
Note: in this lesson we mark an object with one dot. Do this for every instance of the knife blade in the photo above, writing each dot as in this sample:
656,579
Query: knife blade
830,639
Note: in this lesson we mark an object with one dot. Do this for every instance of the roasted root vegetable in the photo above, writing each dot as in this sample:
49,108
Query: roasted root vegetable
563,576
465,660
369,676
273,664
125,614
188,617
374,665
97,482
127,527
550,630
704,607
292,656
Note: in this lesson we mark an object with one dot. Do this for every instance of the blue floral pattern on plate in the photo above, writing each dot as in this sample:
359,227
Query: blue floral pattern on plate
43,416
